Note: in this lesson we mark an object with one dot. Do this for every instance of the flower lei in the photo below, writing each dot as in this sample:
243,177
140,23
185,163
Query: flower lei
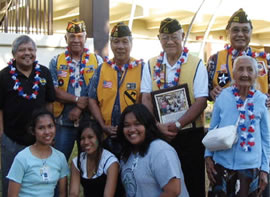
77,81
247,139
248,52
17,86
125,66
180,61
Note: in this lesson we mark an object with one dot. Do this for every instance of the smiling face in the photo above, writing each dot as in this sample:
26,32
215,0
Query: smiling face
44,130
76,41
133,130
89,141
244,73
172,43
25,55
121,48
240,35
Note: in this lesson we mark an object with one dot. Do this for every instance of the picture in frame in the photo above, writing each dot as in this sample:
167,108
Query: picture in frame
171,104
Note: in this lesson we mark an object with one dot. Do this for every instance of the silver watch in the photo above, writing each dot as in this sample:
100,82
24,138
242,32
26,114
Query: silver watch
178,125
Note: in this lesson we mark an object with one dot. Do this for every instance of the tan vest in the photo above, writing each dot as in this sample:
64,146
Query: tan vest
63,76
224,60
188,71
108,89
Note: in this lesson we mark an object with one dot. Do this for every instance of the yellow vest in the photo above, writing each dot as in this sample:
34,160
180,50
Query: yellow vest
224,64
188,71
63,76
108,89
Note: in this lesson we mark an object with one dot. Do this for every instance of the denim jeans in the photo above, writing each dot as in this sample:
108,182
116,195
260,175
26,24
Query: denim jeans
9,150
65,138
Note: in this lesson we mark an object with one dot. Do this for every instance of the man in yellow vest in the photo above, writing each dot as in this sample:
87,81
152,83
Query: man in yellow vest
219,66
71,72
115,84
239,30
174,66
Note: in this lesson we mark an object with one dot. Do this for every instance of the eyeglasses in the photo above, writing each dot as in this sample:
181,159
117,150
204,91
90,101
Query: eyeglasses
166,38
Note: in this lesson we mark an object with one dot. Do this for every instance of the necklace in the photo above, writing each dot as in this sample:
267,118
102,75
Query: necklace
18,87
180,61
247,139
125,66
248,52
77,81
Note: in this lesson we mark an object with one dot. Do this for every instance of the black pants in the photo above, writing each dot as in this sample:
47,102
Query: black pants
188,145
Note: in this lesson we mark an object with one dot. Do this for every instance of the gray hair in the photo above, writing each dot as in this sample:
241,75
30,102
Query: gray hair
129,38
22,40
253,63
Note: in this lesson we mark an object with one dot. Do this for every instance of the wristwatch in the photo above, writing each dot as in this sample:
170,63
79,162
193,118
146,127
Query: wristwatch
178,125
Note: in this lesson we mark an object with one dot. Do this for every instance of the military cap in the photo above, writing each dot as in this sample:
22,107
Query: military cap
120,30
169,26
75,26
239,17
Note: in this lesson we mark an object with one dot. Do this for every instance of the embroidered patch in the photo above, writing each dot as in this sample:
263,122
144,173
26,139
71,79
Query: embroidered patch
63,67
261,68
223,79
60,82
223,67
131,86
107,84
43,81
130,97
61,73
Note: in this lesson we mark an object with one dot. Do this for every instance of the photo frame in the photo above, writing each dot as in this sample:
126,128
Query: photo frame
170,104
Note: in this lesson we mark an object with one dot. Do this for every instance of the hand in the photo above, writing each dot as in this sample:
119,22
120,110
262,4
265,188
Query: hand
82,102
75,114
210,169
267,102
110,130
215,92
263,180
164,128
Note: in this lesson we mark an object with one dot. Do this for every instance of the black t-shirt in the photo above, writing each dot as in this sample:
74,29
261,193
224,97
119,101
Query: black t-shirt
17,110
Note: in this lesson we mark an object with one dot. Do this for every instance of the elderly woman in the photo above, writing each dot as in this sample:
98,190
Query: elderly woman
247,162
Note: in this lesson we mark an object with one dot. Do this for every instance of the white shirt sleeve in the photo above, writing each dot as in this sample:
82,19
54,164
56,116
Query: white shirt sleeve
146,82
200,87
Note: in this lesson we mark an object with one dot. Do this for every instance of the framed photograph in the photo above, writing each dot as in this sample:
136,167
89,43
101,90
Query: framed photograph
171,103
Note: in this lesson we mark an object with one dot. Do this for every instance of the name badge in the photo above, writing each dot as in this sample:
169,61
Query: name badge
44,173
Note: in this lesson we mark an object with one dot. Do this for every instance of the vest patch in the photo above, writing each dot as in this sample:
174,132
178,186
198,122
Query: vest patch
60,82
63,67
131,86
107,84
261,68
90,68
61,73
223,79
130,97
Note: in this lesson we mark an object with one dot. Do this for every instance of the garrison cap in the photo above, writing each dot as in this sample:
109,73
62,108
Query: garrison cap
239,17
169,26
120,30
75,26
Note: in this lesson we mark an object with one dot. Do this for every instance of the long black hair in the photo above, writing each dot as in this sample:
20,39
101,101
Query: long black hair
96,128
144,117
37,113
